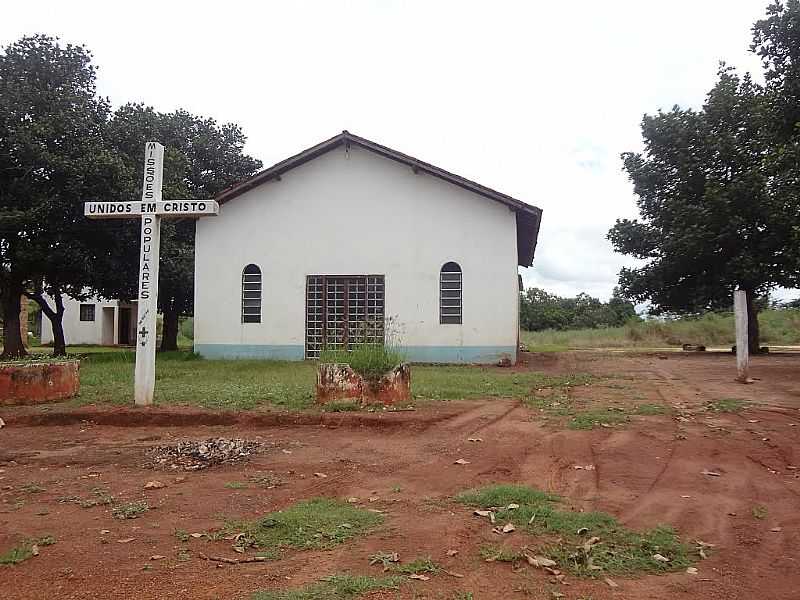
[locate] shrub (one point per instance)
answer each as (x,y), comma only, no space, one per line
(371,361)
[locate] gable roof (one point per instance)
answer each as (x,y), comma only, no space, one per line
(528,217)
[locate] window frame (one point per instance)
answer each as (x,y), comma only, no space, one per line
(451,294)
(89,316)
(252,291)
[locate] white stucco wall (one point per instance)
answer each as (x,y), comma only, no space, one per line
(104,330)
(359,213)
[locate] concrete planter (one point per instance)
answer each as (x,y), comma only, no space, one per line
(337,381)
(33,382)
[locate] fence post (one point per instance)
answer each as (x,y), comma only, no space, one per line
(742,342)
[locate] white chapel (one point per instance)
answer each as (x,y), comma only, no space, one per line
(350,241)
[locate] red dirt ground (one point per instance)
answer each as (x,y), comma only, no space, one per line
(646,473)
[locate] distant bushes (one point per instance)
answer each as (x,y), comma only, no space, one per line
(540,310)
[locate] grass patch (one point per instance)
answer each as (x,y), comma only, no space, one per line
(371,361)
(649,409)
(597,418)
(267,481)
(727,405)
(236,485)
(32,488)
(99,497)
(620,551)
(310,524)
(335,587)
(27,549)
(416,566)
(504,494)
(130,510)
(500,554)
(467,382)
(558,403)
(777,327)
(760,512)
(182,535)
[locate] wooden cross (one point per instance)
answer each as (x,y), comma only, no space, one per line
(151,209)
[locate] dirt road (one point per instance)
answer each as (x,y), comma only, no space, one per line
(645,472)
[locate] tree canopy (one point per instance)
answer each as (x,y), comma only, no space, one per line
(60,146)
(201,159)
(542,310)
(53,157)
(717,188)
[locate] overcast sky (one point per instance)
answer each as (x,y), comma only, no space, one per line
(534,99)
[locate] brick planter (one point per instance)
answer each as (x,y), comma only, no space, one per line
(33,382)
(337,381)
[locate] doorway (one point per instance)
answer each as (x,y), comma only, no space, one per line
(342,311)
(124,328)
(107,331)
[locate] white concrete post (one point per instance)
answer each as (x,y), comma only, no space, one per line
(742,342)
(147,306)
(151,209)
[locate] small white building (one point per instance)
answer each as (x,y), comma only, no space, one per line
(350,241)
(95,321)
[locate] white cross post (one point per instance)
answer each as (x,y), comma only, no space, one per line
(151,209)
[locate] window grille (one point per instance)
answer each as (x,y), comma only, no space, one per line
(87,312)
(450,294)
(251,294)
(343,311)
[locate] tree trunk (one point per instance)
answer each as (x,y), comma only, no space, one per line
(753,338)
(169,330)
(56,317)
(23,321)
(12,338)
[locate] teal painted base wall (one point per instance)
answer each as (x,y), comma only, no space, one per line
(418,354)
(245,351)
(459,354)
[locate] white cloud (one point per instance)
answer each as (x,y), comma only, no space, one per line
(534,99)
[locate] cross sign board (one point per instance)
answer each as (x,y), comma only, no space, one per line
(151,210)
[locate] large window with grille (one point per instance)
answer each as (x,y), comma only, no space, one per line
(343,311)
(251,294)
(450,294)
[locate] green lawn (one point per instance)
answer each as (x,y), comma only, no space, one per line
(182,378)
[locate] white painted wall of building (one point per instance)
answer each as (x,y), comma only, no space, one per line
(104,330)
(358,213)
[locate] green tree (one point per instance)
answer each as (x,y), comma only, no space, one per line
(53,157)
(776,39)
(709,221)
(201,159)
(541,310)
(621,310)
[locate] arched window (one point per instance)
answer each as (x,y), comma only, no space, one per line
(251,294)
(450,294)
